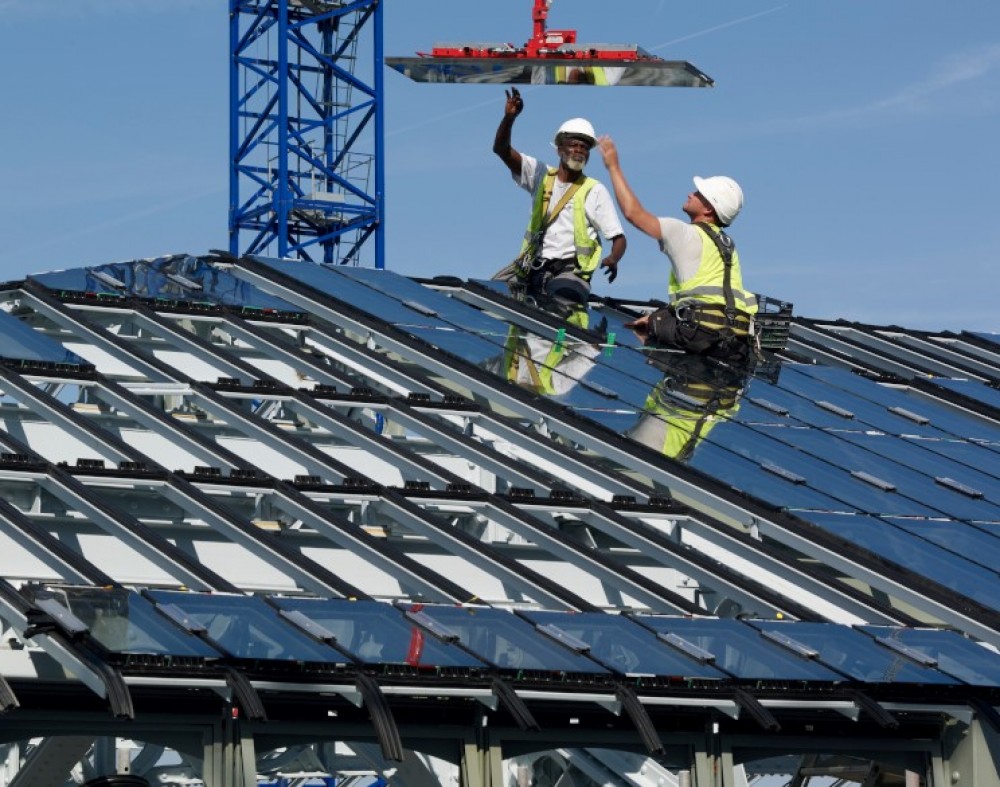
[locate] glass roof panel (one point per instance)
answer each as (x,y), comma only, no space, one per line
(508,642)
(177,277)
(786,484)
(21,342)
(377,633)
(802,394)
(852,653)
(831,479)
(989,337)
(913,454)
(739,649)
(954,654)
(124,622)
(949,419)
(112,279)
(978,543)
(426,307)
(214,284)
(974,389)
(913,553)
(882,461)
(621,645)
(246,627)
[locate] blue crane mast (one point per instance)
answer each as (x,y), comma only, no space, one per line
(307,130)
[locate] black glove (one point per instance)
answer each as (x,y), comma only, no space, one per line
(610,269)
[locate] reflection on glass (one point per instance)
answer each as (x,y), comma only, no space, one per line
(123,622)
(376,633)
(621,645)
(176,277)
(20,342)
(695,394)
(548,366)
(246,627)
(738,649)
(853,654)
(506,641)
(967,660)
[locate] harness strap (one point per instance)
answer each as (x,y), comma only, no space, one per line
(726,248)
(548,186)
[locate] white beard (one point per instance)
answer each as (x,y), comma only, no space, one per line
(574,164)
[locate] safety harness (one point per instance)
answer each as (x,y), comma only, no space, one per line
(726,319)
(530,257)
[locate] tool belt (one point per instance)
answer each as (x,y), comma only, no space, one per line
(715,317)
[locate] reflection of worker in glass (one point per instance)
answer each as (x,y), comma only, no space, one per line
(548,366)
(695,394)
(576,75)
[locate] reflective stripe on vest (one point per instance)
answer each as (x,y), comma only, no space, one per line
(587,249)
(706,285)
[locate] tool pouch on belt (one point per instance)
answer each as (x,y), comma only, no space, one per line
(716,317)
(679,329)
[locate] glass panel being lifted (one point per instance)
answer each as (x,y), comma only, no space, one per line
(549,57)
(506,71)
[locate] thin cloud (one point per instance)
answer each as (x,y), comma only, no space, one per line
(918,97)
(953,72)
(115,223)
(723,26)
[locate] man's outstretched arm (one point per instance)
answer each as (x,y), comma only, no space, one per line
(501,144)
(633,211)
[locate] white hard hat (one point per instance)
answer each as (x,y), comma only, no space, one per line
(723,194)
(578,127)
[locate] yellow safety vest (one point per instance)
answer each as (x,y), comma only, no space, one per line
(588,249)
(706,285)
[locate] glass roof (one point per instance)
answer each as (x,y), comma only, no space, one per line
(545,387)
(20,342)
(123,622)
(622,646)
(508,642)
(850,653)
(243,626)
(737,649)
(376,633)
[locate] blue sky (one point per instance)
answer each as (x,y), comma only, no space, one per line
(863,134)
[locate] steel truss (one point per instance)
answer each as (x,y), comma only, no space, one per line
(306,129)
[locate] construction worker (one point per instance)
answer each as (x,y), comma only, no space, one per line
(570,212)
(709,312)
